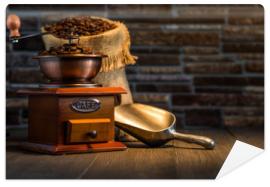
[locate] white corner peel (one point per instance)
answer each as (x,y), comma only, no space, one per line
(240,153)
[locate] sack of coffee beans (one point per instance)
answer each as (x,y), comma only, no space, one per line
(100,34)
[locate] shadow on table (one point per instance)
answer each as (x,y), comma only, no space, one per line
(168,145)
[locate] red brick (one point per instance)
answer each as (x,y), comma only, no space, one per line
(154,50)
(216,89)
(238,33)
(55,7)
(13,116)
(151,97)
(255,66)
(131,69)
(254,89)
(206,68)
(26,75)
(138,10)
(248,14)
(243,111)
(10,92)
(137,27)
(158,59)
(250,56)
(180,122)
(256,81)
(16,103)
(21,59)
(160,78)
(243,47)
(11,89)
(167,88)
(208,58)
(193,50)
(246,20)
(218,100)
(173,20)
(159,69)
(243,121)
(174,38)
(203,117)
(246,10)
(235,81)
(201,11)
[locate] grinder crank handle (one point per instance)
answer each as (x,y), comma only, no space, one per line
(204,141)
(13,24)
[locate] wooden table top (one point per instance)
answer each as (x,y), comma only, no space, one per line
(183,161)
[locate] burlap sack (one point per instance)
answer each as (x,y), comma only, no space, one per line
(115,43)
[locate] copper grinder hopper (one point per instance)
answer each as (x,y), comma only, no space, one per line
(154,126)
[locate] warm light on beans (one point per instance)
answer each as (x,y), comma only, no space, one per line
(79,26)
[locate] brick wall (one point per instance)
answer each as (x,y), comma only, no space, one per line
(205,63)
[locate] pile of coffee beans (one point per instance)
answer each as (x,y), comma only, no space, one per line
(67,49)
(79,26)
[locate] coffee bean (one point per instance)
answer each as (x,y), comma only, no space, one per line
(79,26)
(67,49)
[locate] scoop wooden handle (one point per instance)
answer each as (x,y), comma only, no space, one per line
(13,24)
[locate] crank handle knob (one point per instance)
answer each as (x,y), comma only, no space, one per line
(13,24)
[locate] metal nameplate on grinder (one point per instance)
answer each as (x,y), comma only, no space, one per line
(85,105)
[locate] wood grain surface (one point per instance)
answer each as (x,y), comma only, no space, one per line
(181,161)
(254,137)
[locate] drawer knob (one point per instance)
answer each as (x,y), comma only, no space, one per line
(92,134)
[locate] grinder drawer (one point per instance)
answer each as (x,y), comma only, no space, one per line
(87,130)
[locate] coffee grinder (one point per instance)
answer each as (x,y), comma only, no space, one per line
(69,113)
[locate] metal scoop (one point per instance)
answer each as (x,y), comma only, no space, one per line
(154,126)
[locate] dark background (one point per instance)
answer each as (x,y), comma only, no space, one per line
(205,63)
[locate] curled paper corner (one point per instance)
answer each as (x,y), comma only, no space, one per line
(240,154)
